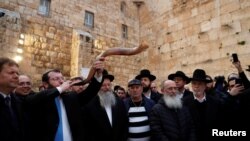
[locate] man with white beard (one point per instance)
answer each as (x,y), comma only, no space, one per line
(170,98)
(107,99)
(181,80)
(169,119)
(105,116)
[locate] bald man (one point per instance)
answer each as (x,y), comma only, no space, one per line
(169,119)
(24,87)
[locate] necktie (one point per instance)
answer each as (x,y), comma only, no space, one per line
(8,102)
(59,133)
(11,112)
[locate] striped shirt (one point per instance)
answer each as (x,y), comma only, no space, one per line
(139,129)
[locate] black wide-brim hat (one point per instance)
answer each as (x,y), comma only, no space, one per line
(179,74)
(107,75)
(145,73)
(248,68)
(209,79)
(199,75)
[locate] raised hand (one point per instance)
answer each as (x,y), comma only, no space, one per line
(65,85)
(237,89)
(238,66)
(99,66)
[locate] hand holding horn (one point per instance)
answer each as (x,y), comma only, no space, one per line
(116,51)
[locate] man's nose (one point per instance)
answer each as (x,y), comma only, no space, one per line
(16,75)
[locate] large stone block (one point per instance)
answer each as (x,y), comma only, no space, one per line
(213,35)
(206,26)
(230,7)
(194,12)
(172,21)
(182,35)
(241,14)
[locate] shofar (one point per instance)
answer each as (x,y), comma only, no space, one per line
(115,51)
(124,51)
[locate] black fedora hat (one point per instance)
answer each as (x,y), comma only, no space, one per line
(104,75)
(209,79)
(145,73)
(179,74)
(107,75)
(199,75)
(248,68)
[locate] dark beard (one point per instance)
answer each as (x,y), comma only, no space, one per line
(50,86)
(145,89)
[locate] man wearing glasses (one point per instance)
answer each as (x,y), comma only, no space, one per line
(56,112)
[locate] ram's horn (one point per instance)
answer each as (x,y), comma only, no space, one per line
(116,51)
(124,51)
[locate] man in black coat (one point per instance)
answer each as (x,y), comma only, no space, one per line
(205,109)
(12,121)
(169,120)
(57,113)
(146,79)
(236,104)
(105,115)
(181,80)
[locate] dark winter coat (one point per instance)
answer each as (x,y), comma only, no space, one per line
(171,124)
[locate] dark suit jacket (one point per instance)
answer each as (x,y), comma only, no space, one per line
(187,93)
(45,116)
(235,112)
(155,96)
(245,80)
(206,116)
(8,131)
(97,123)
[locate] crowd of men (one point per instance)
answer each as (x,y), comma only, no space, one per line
(66,110)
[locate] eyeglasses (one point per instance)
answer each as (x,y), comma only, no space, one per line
(57,78)
(172,88)
(24,83)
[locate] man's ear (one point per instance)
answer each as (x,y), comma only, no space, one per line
(46,85)
(162,90)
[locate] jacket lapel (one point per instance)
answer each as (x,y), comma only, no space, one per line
(101,113)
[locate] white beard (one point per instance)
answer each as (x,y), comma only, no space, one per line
(107,99)
(172,101)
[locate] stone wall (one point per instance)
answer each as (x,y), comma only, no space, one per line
(189,34)
(182,34)
(10,27)
(51,41)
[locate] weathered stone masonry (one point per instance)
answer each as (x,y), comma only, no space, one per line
(182,34)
